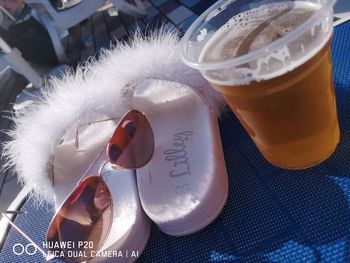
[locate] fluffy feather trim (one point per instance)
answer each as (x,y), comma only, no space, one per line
(96,88)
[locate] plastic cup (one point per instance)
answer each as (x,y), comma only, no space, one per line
(271,62)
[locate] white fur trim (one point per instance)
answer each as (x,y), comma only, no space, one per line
(95,89)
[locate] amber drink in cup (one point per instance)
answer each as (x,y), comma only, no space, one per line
(271,62)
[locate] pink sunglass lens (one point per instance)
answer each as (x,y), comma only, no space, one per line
(115,151)
(83,221)
(132,143)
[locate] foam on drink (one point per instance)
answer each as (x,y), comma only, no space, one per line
(257,28)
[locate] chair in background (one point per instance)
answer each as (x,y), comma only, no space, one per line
(11,57)
(341,12)
(59,21)
(6,19)
(133,8)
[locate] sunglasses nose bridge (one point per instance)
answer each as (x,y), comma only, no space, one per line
(102,167)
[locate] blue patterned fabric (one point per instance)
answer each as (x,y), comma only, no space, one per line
(272,215)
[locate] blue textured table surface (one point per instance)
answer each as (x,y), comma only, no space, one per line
(272,215)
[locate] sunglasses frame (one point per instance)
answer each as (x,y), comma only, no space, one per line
(49,256)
